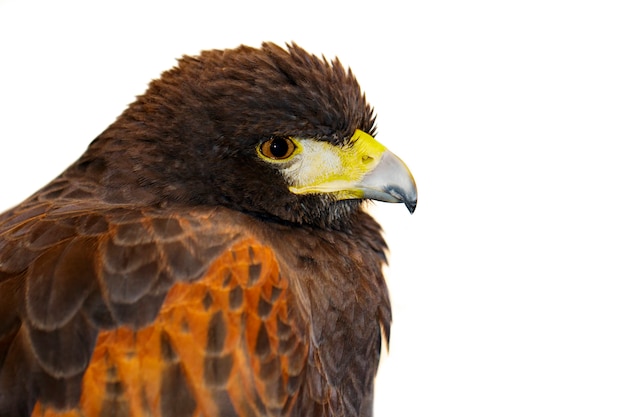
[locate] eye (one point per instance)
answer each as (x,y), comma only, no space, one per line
(277,148)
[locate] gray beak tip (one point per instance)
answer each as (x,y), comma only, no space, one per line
(391,181)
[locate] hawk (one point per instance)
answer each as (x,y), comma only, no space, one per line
(209,254)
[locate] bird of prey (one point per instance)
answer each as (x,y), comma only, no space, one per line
(209,254)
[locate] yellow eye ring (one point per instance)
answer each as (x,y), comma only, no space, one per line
(277,148)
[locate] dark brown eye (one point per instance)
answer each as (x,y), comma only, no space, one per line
(278,148)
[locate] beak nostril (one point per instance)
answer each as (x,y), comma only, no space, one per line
(366,159)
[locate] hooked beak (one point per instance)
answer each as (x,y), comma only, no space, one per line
(390,181)
(364,169)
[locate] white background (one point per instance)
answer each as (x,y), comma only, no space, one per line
(508,282)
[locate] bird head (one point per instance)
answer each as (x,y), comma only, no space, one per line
(273,132)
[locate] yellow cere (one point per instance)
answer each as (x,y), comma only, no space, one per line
(320,167)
